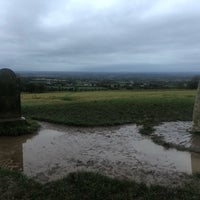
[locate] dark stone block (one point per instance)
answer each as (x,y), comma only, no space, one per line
(10,105)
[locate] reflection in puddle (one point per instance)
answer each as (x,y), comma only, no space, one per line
(115,151)
(11,151)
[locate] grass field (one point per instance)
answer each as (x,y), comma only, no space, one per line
(101,108)
(109,107)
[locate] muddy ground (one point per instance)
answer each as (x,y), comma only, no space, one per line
(119,151)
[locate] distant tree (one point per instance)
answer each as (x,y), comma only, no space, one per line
(34,87)
(193,84)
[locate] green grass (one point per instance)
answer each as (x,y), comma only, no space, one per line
(89,186)
(17,128)
(102,108)
(109,107)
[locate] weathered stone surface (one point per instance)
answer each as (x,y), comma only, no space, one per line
(10,108)
(196,112)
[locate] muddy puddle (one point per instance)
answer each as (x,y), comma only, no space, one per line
(114,151)
(178,133)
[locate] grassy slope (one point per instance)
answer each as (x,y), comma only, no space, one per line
(109,107)
(88,186)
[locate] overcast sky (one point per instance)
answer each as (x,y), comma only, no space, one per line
(100,35)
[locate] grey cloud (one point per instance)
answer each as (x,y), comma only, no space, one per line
(35,36)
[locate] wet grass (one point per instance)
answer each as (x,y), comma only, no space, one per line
(90,186)
(17,128)
(109,107)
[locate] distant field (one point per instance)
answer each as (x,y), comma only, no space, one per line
(109,107)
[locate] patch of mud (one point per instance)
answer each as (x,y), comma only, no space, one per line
(119,152)
(178,133)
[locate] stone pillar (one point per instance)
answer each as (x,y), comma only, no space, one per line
(196,112)
(10,105)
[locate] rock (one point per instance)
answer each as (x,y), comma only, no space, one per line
(196,112)
(11,121)
(10,106)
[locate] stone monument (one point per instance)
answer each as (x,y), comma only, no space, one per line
(196,112)
(10,105)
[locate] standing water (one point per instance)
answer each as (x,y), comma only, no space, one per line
(118,151)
